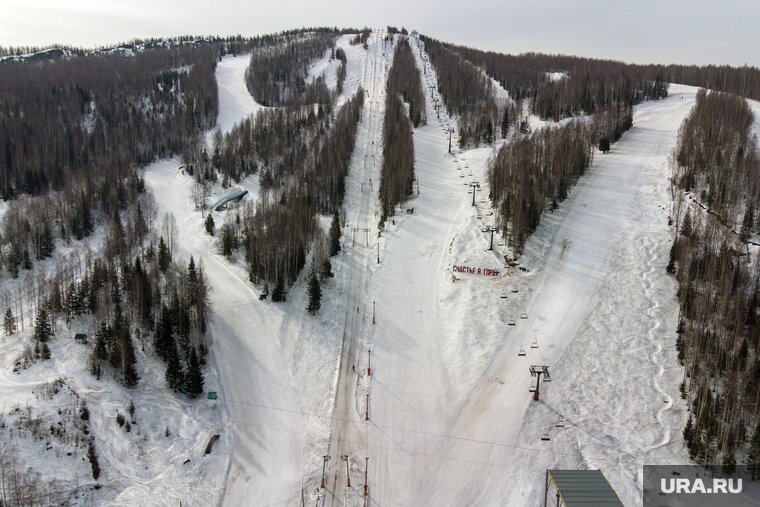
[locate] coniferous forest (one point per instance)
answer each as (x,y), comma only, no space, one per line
(715,192)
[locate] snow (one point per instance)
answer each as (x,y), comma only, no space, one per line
(450,417)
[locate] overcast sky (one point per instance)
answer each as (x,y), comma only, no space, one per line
(638,31)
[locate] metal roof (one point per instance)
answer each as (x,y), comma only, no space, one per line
(233,194)
(584,488)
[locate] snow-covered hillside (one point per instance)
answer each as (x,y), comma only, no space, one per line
(444,416)
(451,421)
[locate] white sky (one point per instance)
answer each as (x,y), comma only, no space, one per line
(642,31)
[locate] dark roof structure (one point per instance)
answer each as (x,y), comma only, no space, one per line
(582,488)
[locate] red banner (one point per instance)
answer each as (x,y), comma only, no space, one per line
(476,271)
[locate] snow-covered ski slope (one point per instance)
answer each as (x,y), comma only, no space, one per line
(451,421)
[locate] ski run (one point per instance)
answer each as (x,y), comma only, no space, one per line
(409,375)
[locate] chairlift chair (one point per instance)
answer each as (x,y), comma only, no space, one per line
(532,386)
(524,315)
(547,377)
(461,175)
(514,290)
(521,352)
(469,191)
(560,422)
(534,345)
(545,437)
(485,229)
(503,294)
(511,321)
(479,217)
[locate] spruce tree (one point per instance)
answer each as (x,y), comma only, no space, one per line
(175,374)
(9,323)
(604,144)
(44,351)
(210,224)
(686,226)
(42,331)
(164,259)
(505,122)
(315,294)
(164,337)
(192,282)
(129,362)
(194,374)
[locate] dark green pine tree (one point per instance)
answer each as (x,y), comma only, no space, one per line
(164,337)
(195,378)
(335,234)
(129,362)
(175,374)
(44,352)
(604,144)
(686,226)
(9,323)
(102,338)
(210,224)
(42,331)
(164,259)
(315,294)
(192,282)
(505,122)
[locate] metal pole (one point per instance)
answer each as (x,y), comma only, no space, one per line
(369,363)
(538,383)
(373,306)
(366,486)
(345,458)
(378,261)
(546,487)
(324,468)
(367,419)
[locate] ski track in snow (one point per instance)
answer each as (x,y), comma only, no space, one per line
(451,421)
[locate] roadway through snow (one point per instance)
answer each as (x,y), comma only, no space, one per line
(348,426)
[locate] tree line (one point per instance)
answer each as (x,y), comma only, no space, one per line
(714,189)
(717,158)
(303,158)
(537,172)
(467,92)
(277,74)
(397,172)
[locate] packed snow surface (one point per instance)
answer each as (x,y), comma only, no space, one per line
(451,421)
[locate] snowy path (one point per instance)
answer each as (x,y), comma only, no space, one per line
(495,441)
(347,429)
(257,388)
